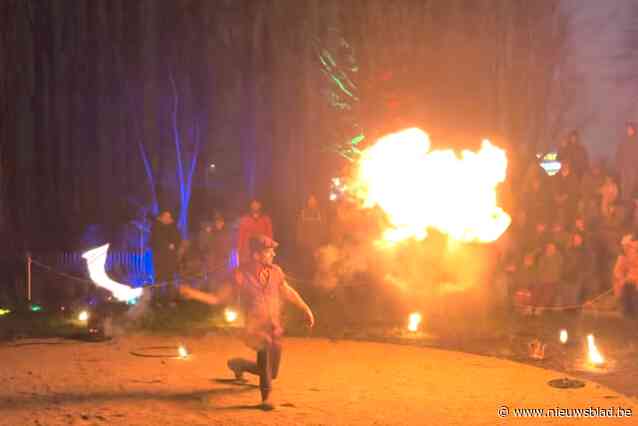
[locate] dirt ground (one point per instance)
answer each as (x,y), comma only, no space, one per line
(322,382)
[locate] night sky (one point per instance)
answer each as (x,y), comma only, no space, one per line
(600,36)
(89,86)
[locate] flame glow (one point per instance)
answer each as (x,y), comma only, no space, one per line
(182,352)
(563,336)
(4,312)
(414,321)
(594,355)
(83,316)
(420,189)
(96,262)
(230,315)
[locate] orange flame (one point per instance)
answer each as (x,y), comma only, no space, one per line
(594,356)
(182,352)
(414,321)
(420,189)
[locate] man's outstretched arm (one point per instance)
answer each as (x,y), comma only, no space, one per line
(293,297)
(212,299)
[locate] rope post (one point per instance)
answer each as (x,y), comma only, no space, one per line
(29,262)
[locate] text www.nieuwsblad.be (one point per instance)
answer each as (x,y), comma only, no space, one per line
(617,412)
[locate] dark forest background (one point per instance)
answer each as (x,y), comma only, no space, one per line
(113,108)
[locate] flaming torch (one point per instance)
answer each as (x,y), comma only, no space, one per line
(96,262)
(182,352)
(419,189)
(414,321)
(230,315)
(83,316)
(594,357)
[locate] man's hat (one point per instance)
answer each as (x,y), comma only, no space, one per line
(259,243)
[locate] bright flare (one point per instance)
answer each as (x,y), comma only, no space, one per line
(96,262)
(414,321)
(595,358)
(563,336)
(83,316)
(420,189)
(4,312)
(230,315)
(182,352)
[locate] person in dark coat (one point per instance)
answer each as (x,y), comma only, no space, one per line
(550,271)
(578,275)
(566,193)
(166,246)
(626,160)
(215,244)
(260,287)
(574,152)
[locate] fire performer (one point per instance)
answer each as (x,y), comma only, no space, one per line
(261,288)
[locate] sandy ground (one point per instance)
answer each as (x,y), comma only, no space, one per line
(322,382)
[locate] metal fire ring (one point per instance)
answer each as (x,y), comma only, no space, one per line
(157,352)
(566,383)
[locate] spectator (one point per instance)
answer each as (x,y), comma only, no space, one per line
(626,160)
(608,195)
(591,183)
(610,232)
(565,191)
(626,276)
(537,200)
(560,236)
(166,244)
(550,269)
(252,224)
(310,226)
(215,244)
(537,239)
(583,228)
(574,153)
(578,272)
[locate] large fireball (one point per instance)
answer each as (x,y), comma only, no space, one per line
(420,189)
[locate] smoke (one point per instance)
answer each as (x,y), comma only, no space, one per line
(141,308)
(450,283)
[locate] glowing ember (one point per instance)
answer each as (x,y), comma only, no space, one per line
(594,356)
(182,352)
(96,261)
(4,312)
(420,189)
(230,315)
(563,336)
(414,321)
(83,316)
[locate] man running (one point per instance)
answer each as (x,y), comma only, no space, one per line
(261,288)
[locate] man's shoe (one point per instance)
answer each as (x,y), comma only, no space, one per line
(267,405)
(235,366)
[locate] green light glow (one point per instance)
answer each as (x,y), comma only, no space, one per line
(35,308)
(338,63)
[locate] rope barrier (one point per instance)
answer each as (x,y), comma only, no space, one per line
(566,307)
(187,278)
(295,280)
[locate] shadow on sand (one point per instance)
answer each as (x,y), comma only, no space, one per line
(34,400)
